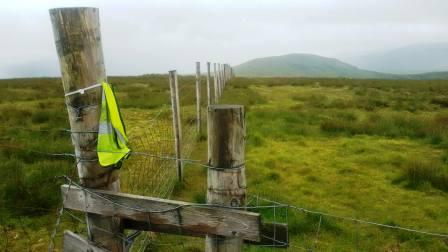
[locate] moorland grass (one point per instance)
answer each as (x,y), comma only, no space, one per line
(373,149)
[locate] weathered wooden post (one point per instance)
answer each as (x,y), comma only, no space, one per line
(225,72)
(198,97)
(223,81)
(223,78)
(218,76)
(227,181)
(209,89)
(177,130)
(78,43)
(215,82)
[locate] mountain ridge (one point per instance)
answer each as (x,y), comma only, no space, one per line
(311,65)
(410,59)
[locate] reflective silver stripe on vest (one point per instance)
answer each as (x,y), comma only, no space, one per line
(105,128)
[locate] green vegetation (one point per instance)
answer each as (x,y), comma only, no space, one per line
(373,149)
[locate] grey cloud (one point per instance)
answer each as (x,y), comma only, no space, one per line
(155,36)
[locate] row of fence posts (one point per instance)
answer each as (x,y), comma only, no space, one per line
(222,73)
(226,146)
(81,61)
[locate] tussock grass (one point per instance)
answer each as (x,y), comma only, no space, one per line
(419,174)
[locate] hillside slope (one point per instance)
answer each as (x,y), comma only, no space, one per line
(302,65)
(309,65)
(413,59)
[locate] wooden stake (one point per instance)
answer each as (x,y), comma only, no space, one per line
(222,78)
(209,88)
(174,88)
(226,182)
(223,82)
(218,76)
(215,82)
(219,80)
(225,72)
(198,97)
(78,42)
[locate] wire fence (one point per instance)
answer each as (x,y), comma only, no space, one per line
(146,175)
(315,227)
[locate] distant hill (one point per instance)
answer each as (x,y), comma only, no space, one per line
(426,76)
(309,65)
(414,59)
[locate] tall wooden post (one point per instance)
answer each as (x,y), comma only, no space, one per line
(215,82)
(227,181)
(223,81)
(217,78)
(225,72)
(198,97)
(78,43)
(209,88)
(223,76)
(177,130)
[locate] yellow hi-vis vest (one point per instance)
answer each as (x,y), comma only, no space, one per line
(112,140)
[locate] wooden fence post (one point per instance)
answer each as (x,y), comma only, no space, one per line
(226,182)
(198,97)
(209,88)
(225,72)
(215,83)
(223,81)
(218,76)
(219,80)
(78,42)
(174,89)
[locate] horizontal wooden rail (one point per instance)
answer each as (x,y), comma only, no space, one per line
(182,217)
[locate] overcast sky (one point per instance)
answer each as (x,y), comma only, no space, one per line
(156,36)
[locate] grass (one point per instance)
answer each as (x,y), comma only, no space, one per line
(347,147)
(373,149)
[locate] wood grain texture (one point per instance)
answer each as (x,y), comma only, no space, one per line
(227,184)
(186,220)
(78,42)
(77,243)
